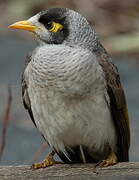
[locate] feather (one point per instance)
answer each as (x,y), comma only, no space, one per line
(118,104)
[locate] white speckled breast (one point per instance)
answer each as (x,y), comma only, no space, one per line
(69,101)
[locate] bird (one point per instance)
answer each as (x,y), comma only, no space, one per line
(73,92)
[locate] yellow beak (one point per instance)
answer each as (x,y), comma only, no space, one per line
(25,25)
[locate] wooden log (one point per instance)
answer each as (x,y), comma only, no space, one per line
(122,171)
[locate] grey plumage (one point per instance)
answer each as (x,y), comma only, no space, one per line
(73,91)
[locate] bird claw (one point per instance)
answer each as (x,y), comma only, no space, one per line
(49,161)
(111,160)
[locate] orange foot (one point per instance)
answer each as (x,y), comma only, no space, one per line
(111,160)
(49,161)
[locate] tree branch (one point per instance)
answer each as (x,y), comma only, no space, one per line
(5,122)
(72,172)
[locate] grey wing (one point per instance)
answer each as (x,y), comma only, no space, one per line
(25,96)
(118,105)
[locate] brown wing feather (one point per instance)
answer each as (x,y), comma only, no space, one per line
(117,103)
(25,97)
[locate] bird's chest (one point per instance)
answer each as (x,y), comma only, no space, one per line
(72,121)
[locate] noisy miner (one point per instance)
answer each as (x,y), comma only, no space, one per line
(72,91)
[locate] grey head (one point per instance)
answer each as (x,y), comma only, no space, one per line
(64,26)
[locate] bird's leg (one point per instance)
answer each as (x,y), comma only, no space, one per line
(111,160)
(48,161)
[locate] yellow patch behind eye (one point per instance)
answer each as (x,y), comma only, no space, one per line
(56,27)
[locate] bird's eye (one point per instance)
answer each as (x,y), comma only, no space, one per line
(54,26)
(49,25)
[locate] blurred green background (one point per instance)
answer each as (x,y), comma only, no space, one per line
(117,23)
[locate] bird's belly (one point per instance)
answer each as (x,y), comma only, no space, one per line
(68,122)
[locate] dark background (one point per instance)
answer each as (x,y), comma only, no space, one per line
(117,24)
